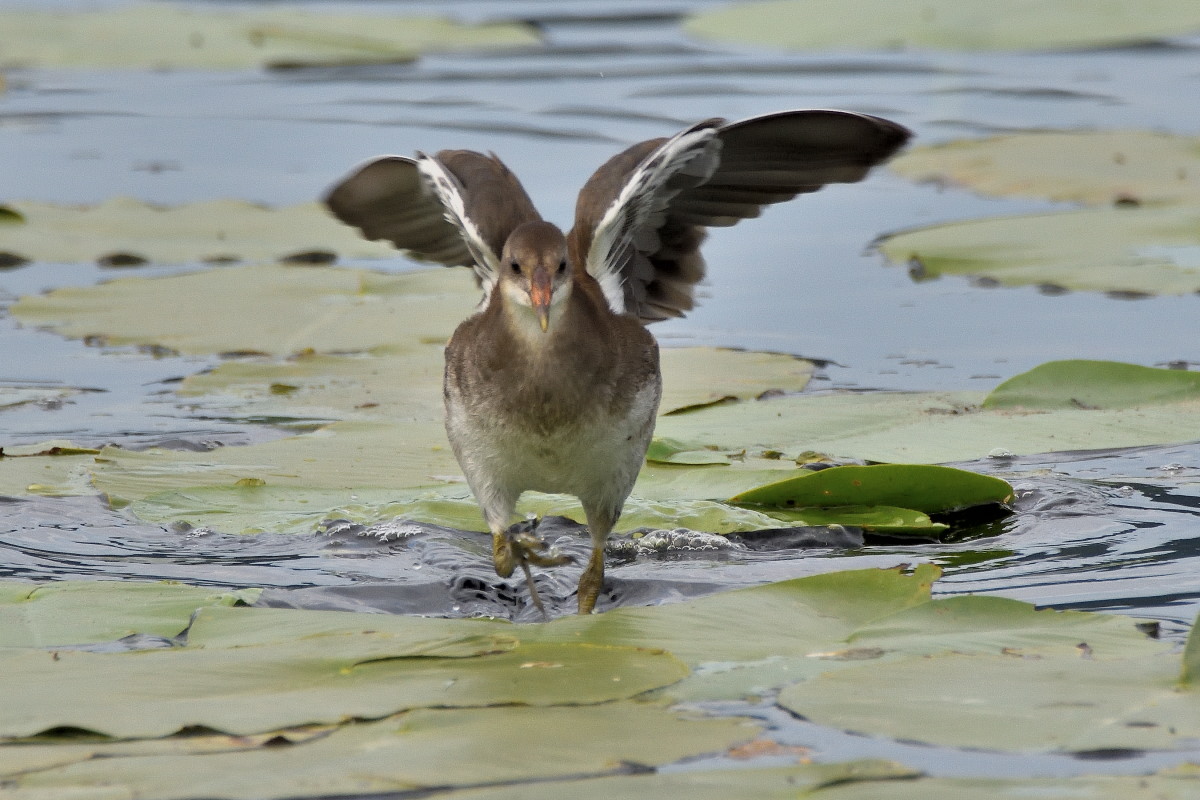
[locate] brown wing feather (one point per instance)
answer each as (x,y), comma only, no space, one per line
(386,199)
(763,160)
(390,199)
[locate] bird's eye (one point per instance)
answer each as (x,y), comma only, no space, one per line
(562,266)
(516,267)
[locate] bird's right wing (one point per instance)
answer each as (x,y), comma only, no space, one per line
(455,208)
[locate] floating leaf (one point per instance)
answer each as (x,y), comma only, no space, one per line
(164,36)
(763,783)
(362,668)
(878,518)
(673,451)
(83,612)
(946,24)
(1093,167)
(1170,784)
(55,468)
(1011,701)
(1094,385)
(1145,250)
(929,489)
(122,229)
(424,749)
(272,309)
(897,428)
(696,376)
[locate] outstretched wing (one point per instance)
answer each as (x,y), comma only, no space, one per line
(455,208)
(640,219)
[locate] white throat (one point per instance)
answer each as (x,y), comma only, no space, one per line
(523,320)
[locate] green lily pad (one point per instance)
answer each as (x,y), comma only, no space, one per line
(898,428)
(55,469)
(945,24)
(1143,250)
(220,230)
(877,518)
(261,680)
(1092,167)
(1166,785)
(164,36)
(269,309)
(423,749)
(929,489)
(84,612)
(673,451)
(772,783)
(1011,702)
(1094,385)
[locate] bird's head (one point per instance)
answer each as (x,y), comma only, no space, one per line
(535,271)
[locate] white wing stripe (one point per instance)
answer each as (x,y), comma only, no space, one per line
(442,184)
(634,217)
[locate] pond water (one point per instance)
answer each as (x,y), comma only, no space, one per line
(1111,531)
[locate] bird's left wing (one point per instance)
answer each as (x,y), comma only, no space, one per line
(641,218)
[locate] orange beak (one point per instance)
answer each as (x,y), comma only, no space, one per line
(541,287)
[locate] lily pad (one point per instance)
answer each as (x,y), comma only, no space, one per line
(1092,167)
(1012,702)
(260,680)
(772,783)
(55,469)
(1094,385)
(267,309)
(83,612)
(1165,785)
(165,36)
(929,489)
(1142,250)
(217,230)
(672,451)
(946,24)
(423,749)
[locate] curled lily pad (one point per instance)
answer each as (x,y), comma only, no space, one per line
(945,24)
(165,36)
(1093,167)
(1141,250)
(1094,385)
(925,488)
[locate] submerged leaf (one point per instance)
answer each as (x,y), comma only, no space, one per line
(1094,385)
(946,24)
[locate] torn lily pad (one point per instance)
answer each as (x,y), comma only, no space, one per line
(166,36)
(1091,167)
(946,24)
(1145,250)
